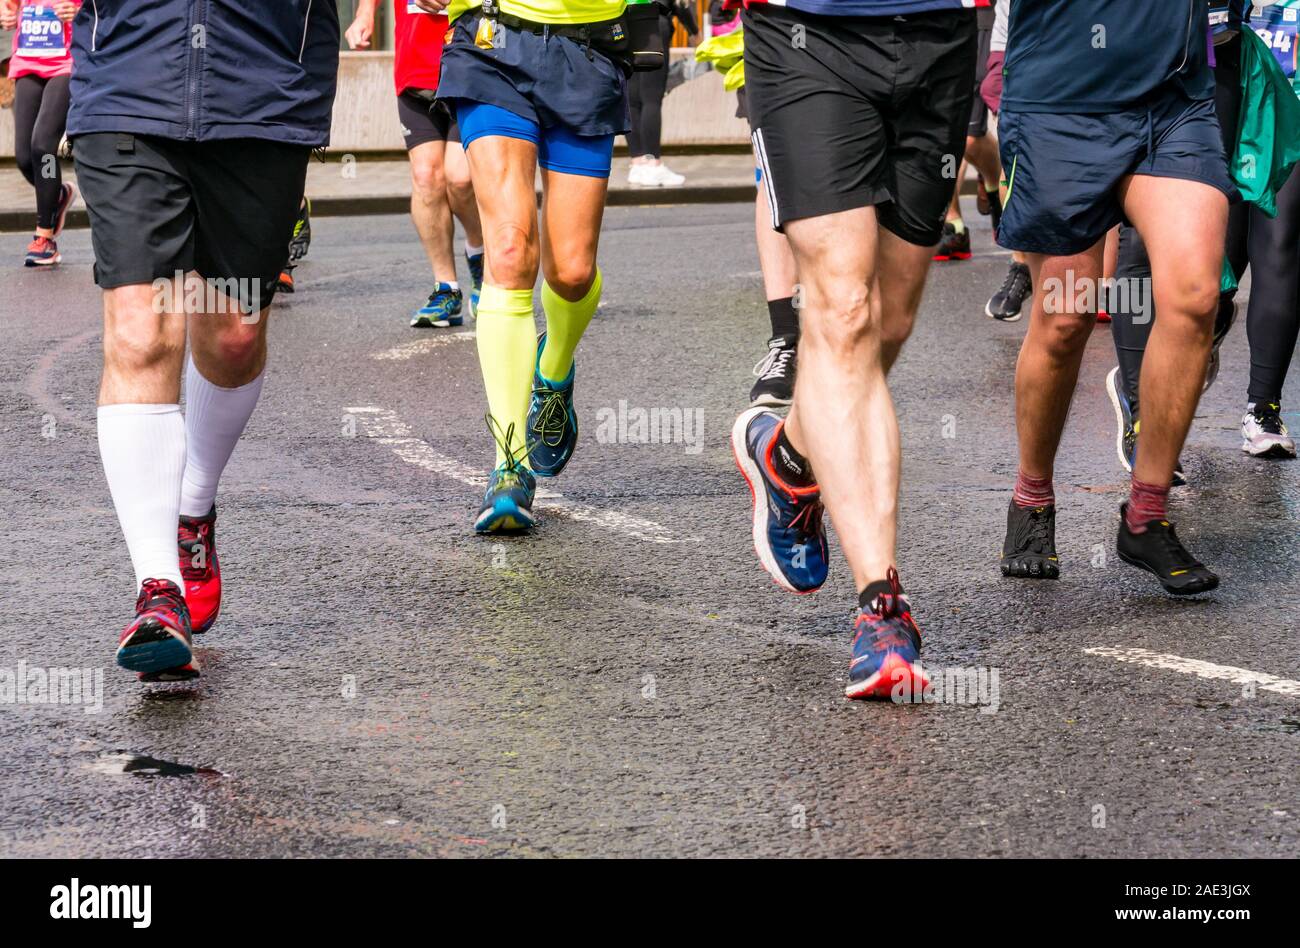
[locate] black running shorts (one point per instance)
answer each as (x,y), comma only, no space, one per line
(425,120)
(224,209)
(852,112)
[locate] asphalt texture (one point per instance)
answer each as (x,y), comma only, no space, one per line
(627,680)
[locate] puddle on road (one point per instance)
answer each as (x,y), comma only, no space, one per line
(119,764)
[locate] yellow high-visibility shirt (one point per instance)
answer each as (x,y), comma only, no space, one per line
(548,11)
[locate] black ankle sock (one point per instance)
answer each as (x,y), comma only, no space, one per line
(792,466)
(785,321)
(873,590)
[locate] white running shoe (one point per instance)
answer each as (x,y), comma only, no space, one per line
(665,177)
(1263,435)
(641,175)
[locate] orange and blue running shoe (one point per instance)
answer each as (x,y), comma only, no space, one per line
(886,647)
(789,535)
(196,541)
(158,644)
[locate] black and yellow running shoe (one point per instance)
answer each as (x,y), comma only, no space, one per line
(300,242)
(1029,551)
(1158,550)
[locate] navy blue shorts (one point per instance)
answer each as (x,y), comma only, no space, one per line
(1064,170)
(548,80)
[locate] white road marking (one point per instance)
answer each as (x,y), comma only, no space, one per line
(387,428)
(409,350)
(1193,666)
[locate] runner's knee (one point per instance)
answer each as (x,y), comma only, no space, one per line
(840,317)
(428,179)
(513,253)
(135,345)
(571,280)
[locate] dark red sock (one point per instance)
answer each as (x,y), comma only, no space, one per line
(1146,502)
(1033,491)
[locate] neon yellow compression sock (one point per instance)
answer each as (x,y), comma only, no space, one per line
(507,346)
(565,324)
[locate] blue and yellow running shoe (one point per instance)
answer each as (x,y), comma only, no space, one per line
(552,422)
(508,502)
(475,262)
(789,535)
(886,648)
(442,309)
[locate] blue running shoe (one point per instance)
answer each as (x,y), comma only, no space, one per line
(508,502)
(1126,423)
(442,309)
(886,649)
(788,533)
(552,422)
(475,262)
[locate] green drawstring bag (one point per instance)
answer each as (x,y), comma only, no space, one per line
(727,54)
(1268,133)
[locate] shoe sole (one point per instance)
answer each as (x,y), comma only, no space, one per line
(182,673)
(52,262)
(445,323)
(1112,381)
(949,258)
(1043,574)
(880,686)
(988,311)
(504,518)
(1275,450)
(63,214)
(1213,582)
(749,471)
(770,401)
(154,648)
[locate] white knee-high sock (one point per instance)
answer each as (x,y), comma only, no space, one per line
(143,449)
(214,419)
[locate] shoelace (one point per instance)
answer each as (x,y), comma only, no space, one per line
(552,418)
(156,592)
(808,521)
(514,464)
(1017,282)
(884,617)
(1269,418)
(775,365)
(1036,531)
(1178,554)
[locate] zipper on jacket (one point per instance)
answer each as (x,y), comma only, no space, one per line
(94,32)
(192,80)
(306,24)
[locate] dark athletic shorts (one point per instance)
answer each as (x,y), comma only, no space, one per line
(1064,170)
(867,111)
(424,120)
(548,80)
(224,209)
(979,109)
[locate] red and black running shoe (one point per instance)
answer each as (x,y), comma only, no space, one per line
(886,648)
(954,245)
(196,542)
(158,644)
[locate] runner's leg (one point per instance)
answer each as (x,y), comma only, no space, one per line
(431,210)
(1048,367)
(849,430)
(1182,223)
(506,332)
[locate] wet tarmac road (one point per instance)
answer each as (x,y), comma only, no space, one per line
(627,681)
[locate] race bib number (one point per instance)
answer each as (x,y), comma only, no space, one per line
(412,8)
(40,32)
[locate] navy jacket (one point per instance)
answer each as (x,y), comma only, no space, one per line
(205,69)
(1097,56)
